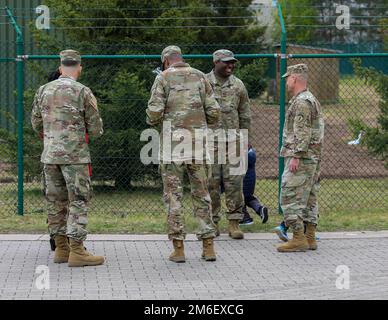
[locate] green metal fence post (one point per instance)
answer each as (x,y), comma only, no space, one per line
(20,106)
(282,97)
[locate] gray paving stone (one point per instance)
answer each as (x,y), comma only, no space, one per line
(245,269)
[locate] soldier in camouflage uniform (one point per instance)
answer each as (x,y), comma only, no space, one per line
(181,98)
(302,143)
(233,99)
(65,111)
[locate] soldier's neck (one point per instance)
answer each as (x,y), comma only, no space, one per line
(299,90)
(220,79)
(70,76)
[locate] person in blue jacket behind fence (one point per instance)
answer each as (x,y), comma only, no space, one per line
(249,185)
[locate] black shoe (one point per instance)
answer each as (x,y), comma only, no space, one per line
(52,244)
(246,221)
(263,214)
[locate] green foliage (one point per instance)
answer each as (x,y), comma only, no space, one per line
(384,29)
(122,86)
(249,75)
(297,12)
(119,148)
(375,138)
(32,148)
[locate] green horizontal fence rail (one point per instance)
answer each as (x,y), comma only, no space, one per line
(151,56)
(7,59)
(337,55)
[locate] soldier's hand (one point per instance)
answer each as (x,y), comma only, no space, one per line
(294,165)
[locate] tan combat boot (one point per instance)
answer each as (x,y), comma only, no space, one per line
(298,243)
(178,255)
(62,249)
(310,236)
(234,230)
(79,257)
(208,252)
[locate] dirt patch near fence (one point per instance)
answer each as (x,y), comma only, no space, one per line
(339,160)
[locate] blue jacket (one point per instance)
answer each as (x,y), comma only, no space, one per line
(250,177)
(249,181)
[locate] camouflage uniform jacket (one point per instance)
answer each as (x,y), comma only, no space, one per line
(65,110)
(183,97)
(303,127)
(233,99)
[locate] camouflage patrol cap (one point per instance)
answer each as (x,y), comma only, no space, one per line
(167,51)
(70,57)
(223,55)
(296,69)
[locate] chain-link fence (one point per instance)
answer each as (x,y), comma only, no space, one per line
(8,140)
(352,179)
(121,183)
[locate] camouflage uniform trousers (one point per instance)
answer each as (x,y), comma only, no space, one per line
(67,189)
(172,175)
(299,193)
(233,185)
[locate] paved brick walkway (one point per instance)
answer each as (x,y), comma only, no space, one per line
(137,268)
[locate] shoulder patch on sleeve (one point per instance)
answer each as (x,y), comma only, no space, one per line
(303,102)
(93,102)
